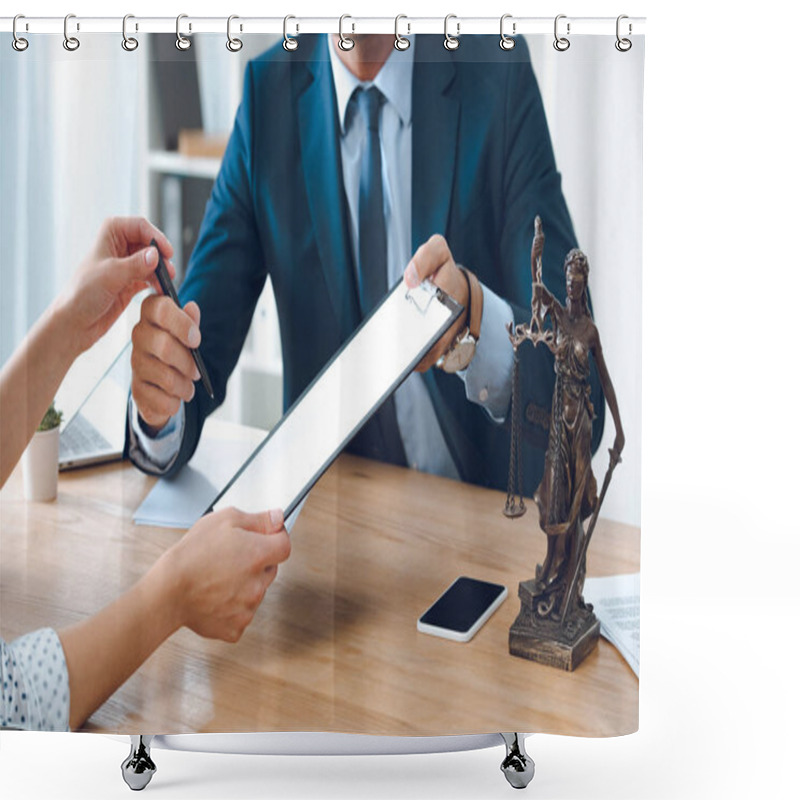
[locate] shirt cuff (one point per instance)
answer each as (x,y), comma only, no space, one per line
(35,683)
(159,452)
(488,377)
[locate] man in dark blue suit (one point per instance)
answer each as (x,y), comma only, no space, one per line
(344,172)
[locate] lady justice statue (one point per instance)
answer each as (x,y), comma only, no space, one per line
(555,626)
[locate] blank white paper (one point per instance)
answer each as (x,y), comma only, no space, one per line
(376,359)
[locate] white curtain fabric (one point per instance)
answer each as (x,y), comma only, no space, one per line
(68,133)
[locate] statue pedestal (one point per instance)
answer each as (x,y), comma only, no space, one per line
(538,637)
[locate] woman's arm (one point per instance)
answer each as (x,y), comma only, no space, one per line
(28,383)
(215,577)
(211,581)
(119,266)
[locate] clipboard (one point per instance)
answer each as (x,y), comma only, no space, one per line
(366,369)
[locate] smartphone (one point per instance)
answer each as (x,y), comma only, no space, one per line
(461,611)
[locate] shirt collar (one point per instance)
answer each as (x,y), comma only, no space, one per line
(394,81)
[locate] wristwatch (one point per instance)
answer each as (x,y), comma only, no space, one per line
(463,349)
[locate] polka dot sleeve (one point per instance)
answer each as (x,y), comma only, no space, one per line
(35,683)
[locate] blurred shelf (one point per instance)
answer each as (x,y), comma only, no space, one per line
(170,162)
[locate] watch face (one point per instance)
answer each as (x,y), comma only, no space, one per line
(459,356)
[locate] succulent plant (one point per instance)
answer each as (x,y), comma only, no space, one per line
(52,419)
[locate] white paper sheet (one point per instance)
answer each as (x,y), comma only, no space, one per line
(616,602)
(180,501)
(375,360)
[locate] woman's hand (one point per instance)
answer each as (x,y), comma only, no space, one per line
(212,581)
(217,575)
(120,265)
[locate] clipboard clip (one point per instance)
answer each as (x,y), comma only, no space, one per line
(423,295)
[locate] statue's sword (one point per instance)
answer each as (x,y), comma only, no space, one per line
(613,460)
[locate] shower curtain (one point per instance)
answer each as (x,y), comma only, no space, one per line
(288,174)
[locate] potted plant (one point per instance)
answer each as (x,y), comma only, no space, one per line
(40,461)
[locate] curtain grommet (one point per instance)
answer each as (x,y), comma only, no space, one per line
(289,42)
(451,42)
(129,43)
(181,42)
(401,42)
(345,42)
(506,42)
(233,44)
(623,44)
(71,43)
(560,43)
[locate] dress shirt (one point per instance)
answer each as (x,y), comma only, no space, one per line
(488,378)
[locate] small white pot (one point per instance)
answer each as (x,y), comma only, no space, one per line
(40,467)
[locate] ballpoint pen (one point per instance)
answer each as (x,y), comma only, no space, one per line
(169,290)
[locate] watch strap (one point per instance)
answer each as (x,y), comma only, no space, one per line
(474,303)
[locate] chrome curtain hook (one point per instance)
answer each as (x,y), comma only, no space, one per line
(71,43)
(345,42)
(506,42)
(289,42)
(451,42)
(623,45)
(400,42)
(181,41)
(18,43)
(561,43)
(128,42)
(233,44)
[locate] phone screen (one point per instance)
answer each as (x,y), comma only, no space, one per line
(461,611)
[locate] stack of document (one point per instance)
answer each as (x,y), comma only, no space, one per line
(616,604)
(180,501)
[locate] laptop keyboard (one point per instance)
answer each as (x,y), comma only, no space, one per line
(80,438)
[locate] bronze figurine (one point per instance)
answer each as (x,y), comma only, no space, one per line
(555,626)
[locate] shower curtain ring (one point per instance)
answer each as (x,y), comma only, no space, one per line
(233,44)
(128,42)
(18,43)
(71,43)
(623,45)
(451,42)
(506,42)
(345,42)
(289,42)
(400,42)
(181,42)
(561,43)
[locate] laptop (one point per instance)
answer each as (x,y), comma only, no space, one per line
(95,434)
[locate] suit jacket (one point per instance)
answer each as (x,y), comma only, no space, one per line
(483,168)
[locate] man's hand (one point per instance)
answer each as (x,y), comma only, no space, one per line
(120,265)
(163,368)
(434,260)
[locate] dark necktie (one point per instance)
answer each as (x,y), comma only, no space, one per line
(372,281)
(380,437)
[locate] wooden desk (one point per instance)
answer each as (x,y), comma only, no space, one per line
(334,646)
